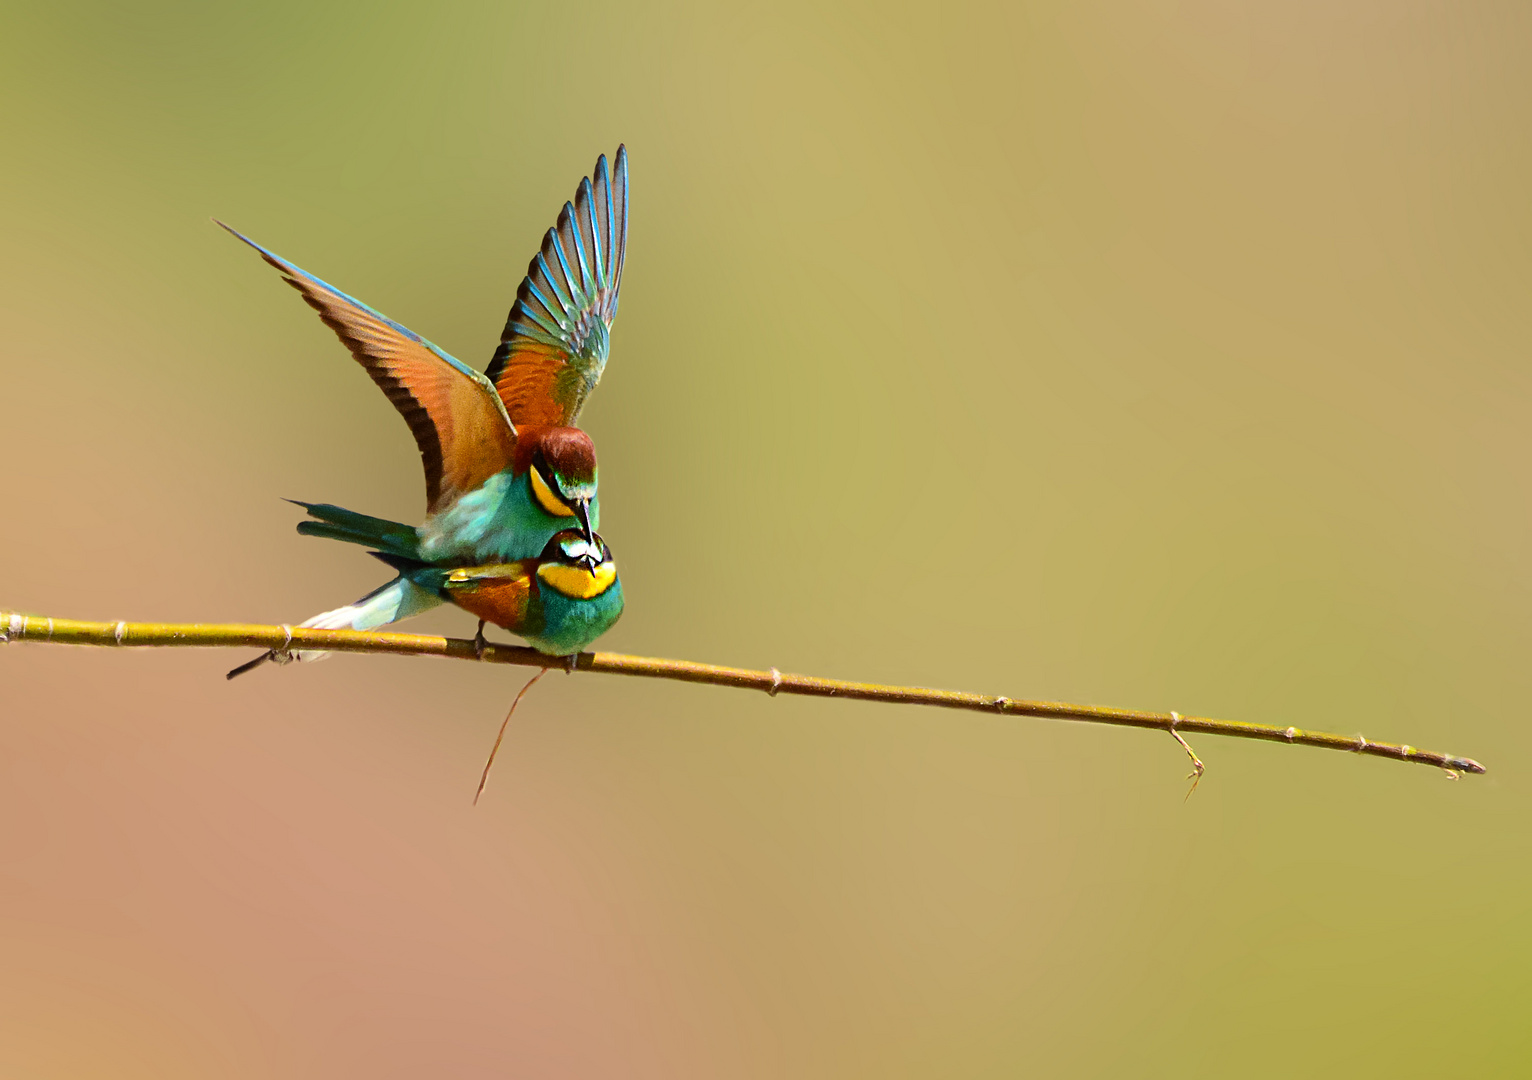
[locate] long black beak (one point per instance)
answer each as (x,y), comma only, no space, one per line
(582,511)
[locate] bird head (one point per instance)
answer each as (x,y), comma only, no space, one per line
(560,464)
(576,566)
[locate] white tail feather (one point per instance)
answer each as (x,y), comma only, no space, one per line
(399,599)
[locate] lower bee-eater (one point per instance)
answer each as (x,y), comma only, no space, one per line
(560,601)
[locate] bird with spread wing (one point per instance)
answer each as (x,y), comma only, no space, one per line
(506,469)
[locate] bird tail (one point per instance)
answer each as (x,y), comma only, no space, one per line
(399,599)
(423,575)
(338,523)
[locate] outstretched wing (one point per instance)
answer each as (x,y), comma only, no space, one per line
(463,432)
(554,347)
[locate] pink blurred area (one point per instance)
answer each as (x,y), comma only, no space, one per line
(205,879)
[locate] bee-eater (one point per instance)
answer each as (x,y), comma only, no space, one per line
(505,467)
(559,602)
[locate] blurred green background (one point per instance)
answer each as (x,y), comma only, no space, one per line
(1164,355)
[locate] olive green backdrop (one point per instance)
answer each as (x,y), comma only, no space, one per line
(1160,355)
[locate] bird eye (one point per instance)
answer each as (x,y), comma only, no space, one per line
(545,496)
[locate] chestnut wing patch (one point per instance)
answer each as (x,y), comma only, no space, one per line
(500,593)
(456,416)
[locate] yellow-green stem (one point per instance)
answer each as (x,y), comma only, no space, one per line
(17,627)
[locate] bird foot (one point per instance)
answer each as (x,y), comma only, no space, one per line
(480,642)
(571,662)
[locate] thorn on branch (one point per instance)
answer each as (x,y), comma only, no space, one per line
(1195,776)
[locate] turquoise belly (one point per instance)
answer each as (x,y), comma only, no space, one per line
(568,626)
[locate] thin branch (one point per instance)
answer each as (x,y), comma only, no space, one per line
(17,627)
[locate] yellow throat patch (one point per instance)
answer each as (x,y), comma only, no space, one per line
(576,582)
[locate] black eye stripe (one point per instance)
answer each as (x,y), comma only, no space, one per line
(568,546)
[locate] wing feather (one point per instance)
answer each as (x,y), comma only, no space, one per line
(458,421)
(556,339)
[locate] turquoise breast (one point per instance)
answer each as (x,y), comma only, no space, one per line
(500,521)
(569,625)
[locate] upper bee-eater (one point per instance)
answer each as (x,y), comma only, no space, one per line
(505,467)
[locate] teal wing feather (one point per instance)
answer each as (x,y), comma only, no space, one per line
(555,343)
(338,523)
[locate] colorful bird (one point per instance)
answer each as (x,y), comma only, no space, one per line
(559,602)
(505,467)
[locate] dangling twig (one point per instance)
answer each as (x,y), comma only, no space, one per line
(493,750)
(16,627)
